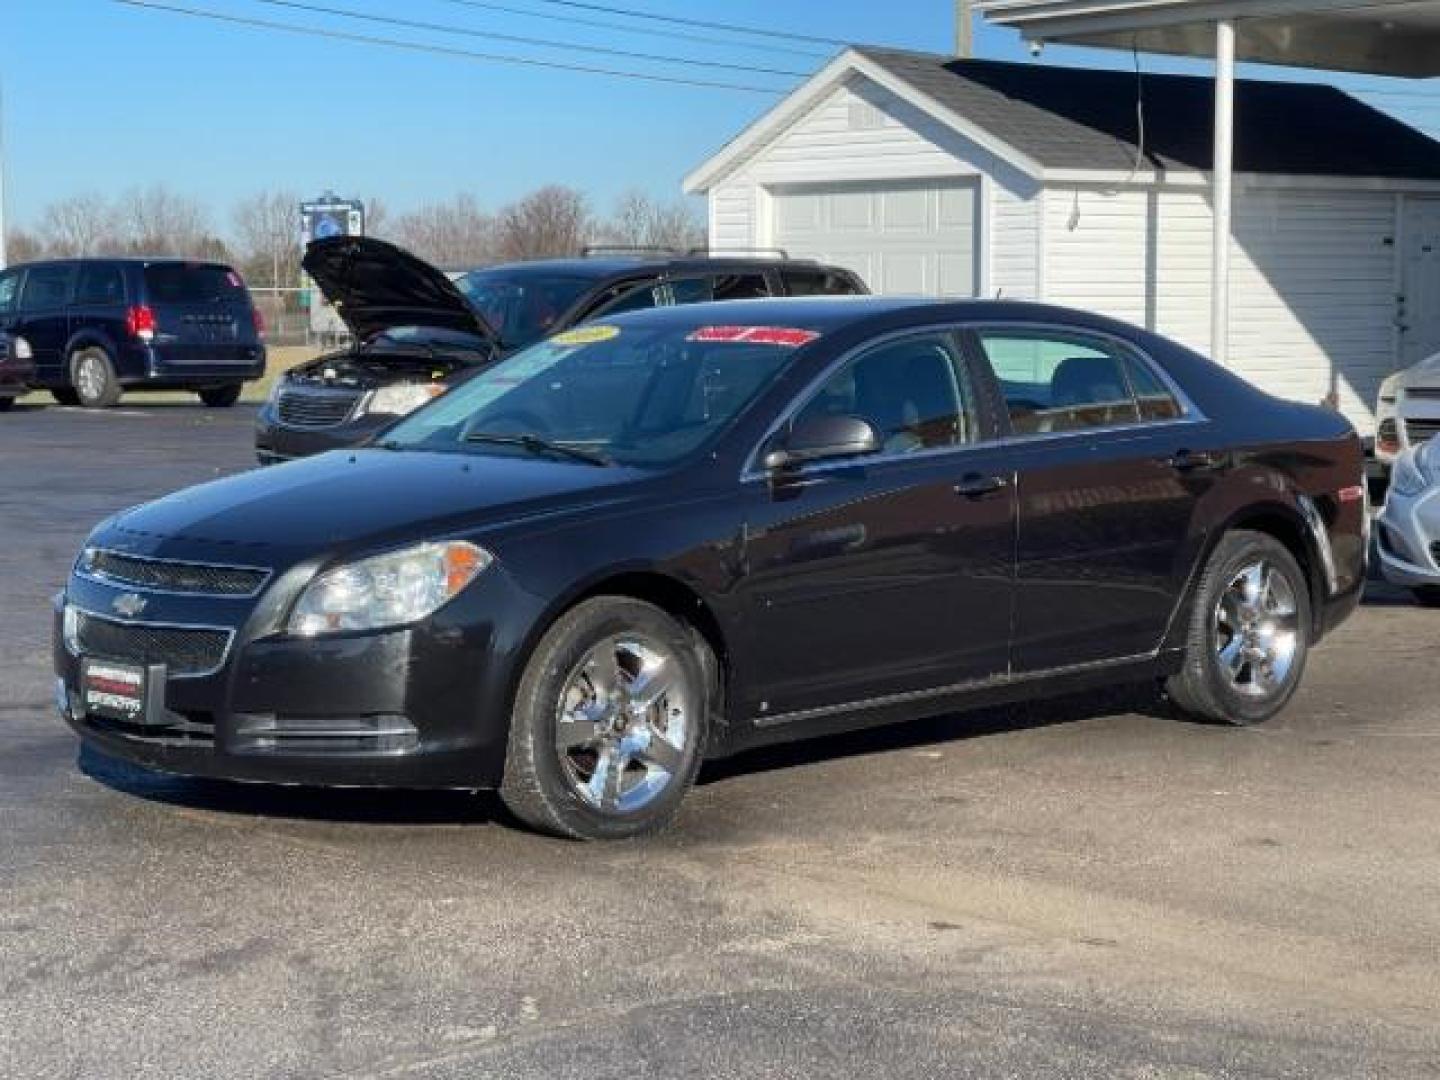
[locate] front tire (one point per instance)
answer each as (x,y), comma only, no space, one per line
(609,723)
(94,379)
(220,397)
(1249,633)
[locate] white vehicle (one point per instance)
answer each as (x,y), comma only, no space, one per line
(1409,526)
(1408,411)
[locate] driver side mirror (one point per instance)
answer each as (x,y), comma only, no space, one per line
(821,439)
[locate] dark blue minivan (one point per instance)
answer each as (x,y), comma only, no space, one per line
(93,328)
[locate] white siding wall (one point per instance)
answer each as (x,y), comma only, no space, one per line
(862,132)
(1312,280)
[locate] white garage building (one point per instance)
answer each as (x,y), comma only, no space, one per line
(947,177)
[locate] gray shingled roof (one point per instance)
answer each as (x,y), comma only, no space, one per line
(1081,118)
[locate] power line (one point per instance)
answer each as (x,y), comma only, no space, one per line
(442,50)
(733,28)
(603,24)
(442,28)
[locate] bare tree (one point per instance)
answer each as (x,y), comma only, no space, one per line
(553,221)
(158,221)
(377,217)
(641,221)
(22,246)
(80,225)
(267,228)
(452,234)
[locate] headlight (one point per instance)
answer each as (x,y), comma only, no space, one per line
(1414,471)
(402,398)
(387,590)
(70,628)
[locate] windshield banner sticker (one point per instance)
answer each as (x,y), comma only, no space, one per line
(755,335)
(587,335)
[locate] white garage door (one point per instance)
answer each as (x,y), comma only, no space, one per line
(901,238)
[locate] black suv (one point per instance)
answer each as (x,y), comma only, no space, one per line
(418,331)
(92,328)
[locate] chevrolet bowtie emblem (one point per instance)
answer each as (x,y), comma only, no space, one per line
(129,605)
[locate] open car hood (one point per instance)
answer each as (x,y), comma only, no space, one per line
(375,286)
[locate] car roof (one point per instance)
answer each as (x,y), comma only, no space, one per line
(831,313)
(144,260)
(602,266)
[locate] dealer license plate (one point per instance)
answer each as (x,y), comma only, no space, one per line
(111,689)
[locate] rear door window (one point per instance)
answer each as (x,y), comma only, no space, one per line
(1056,381)
(192,283)
(46,288)
(740,287)
(817,282)
(100,283)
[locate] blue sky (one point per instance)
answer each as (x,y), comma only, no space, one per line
(104,97)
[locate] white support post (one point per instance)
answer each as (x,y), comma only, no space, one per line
(1223,193)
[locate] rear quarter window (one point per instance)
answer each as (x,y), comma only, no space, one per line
(818,283)
(192,283)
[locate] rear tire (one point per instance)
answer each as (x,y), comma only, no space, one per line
(220,397)
(94,379)
(609,723)
(66,397)
(1248,635)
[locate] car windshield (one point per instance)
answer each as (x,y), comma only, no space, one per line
(644,396)
(522,308)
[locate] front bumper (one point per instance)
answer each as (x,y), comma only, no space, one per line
(1408,538)
(424,706)
(276,442)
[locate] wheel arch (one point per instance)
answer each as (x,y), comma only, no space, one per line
(672,595)
(1285,522)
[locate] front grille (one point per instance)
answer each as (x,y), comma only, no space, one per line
(1435,552)
(201,578)
(305,408)
(1418,431)
(1426,392)
(183,650)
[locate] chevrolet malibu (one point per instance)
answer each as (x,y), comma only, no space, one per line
(683,532)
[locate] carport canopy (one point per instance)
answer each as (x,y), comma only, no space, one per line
(1374,37)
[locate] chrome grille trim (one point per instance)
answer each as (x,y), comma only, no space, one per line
(316,408)
(170,576)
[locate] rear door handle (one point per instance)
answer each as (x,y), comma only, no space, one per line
(977,485)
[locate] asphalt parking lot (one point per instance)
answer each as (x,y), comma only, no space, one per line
(1082,889)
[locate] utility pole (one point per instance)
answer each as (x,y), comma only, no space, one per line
(964,30)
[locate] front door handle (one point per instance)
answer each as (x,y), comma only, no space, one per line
(978,485)
(1187,461)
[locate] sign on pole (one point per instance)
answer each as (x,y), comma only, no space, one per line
(321,219)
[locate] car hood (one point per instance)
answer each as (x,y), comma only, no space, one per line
(375,286)
(357,499)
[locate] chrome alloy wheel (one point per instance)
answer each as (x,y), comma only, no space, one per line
(624,722)
(1257,631)
(90,376)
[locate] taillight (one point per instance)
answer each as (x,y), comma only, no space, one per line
(259,321)
(140,322)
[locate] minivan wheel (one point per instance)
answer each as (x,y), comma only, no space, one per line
(94,379)
(220,397)
(1249,633)
(609,721)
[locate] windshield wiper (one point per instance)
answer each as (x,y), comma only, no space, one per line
(536,445)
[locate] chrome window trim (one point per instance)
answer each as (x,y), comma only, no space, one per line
(102,578)
(1190,413)
(228,631)
(984,683)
